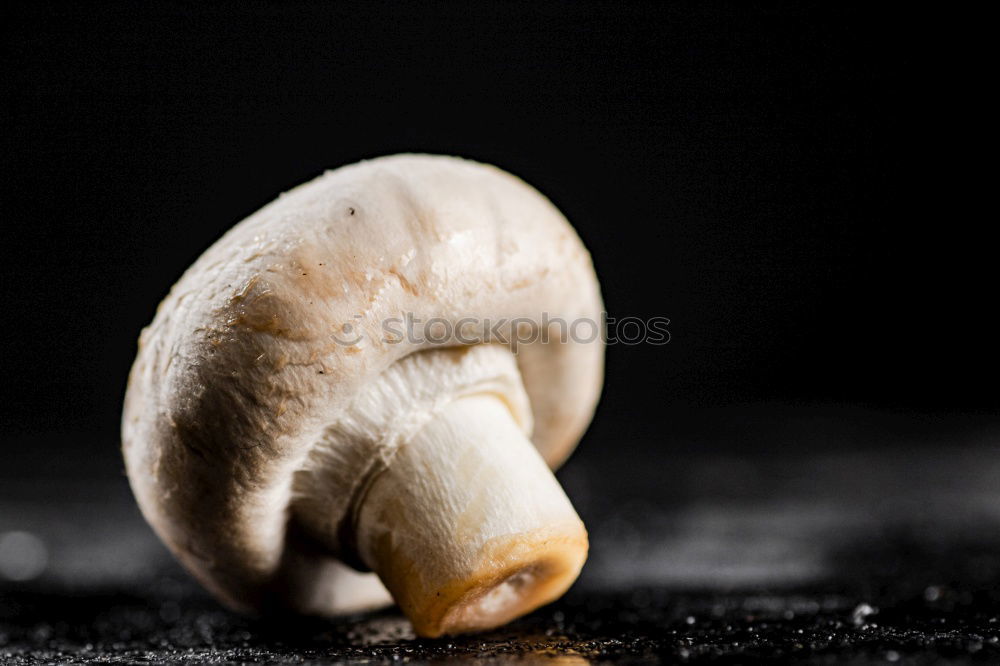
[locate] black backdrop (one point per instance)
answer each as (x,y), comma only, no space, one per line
(798,187)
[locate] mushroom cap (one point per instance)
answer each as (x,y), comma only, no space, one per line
(264,340)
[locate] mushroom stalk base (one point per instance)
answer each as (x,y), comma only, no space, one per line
(467,526)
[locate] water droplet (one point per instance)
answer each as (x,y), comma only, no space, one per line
(861,613)
(23,556)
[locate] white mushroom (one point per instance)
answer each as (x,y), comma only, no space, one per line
(280,419)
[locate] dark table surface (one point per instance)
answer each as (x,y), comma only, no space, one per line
(823,535)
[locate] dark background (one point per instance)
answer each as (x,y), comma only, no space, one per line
(795,185)
(808,469)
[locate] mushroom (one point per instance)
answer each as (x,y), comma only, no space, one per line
(376,371)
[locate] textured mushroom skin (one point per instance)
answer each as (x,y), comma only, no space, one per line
(241,369)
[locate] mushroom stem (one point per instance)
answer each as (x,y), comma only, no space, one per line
(467,526)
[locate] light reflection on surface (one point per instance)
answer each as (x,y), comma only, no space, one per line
(699,555)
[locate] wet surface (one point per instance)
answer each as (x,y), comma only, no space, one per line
(740,543)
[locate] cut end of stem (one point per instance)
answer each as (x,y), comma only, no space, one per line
(538,570)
